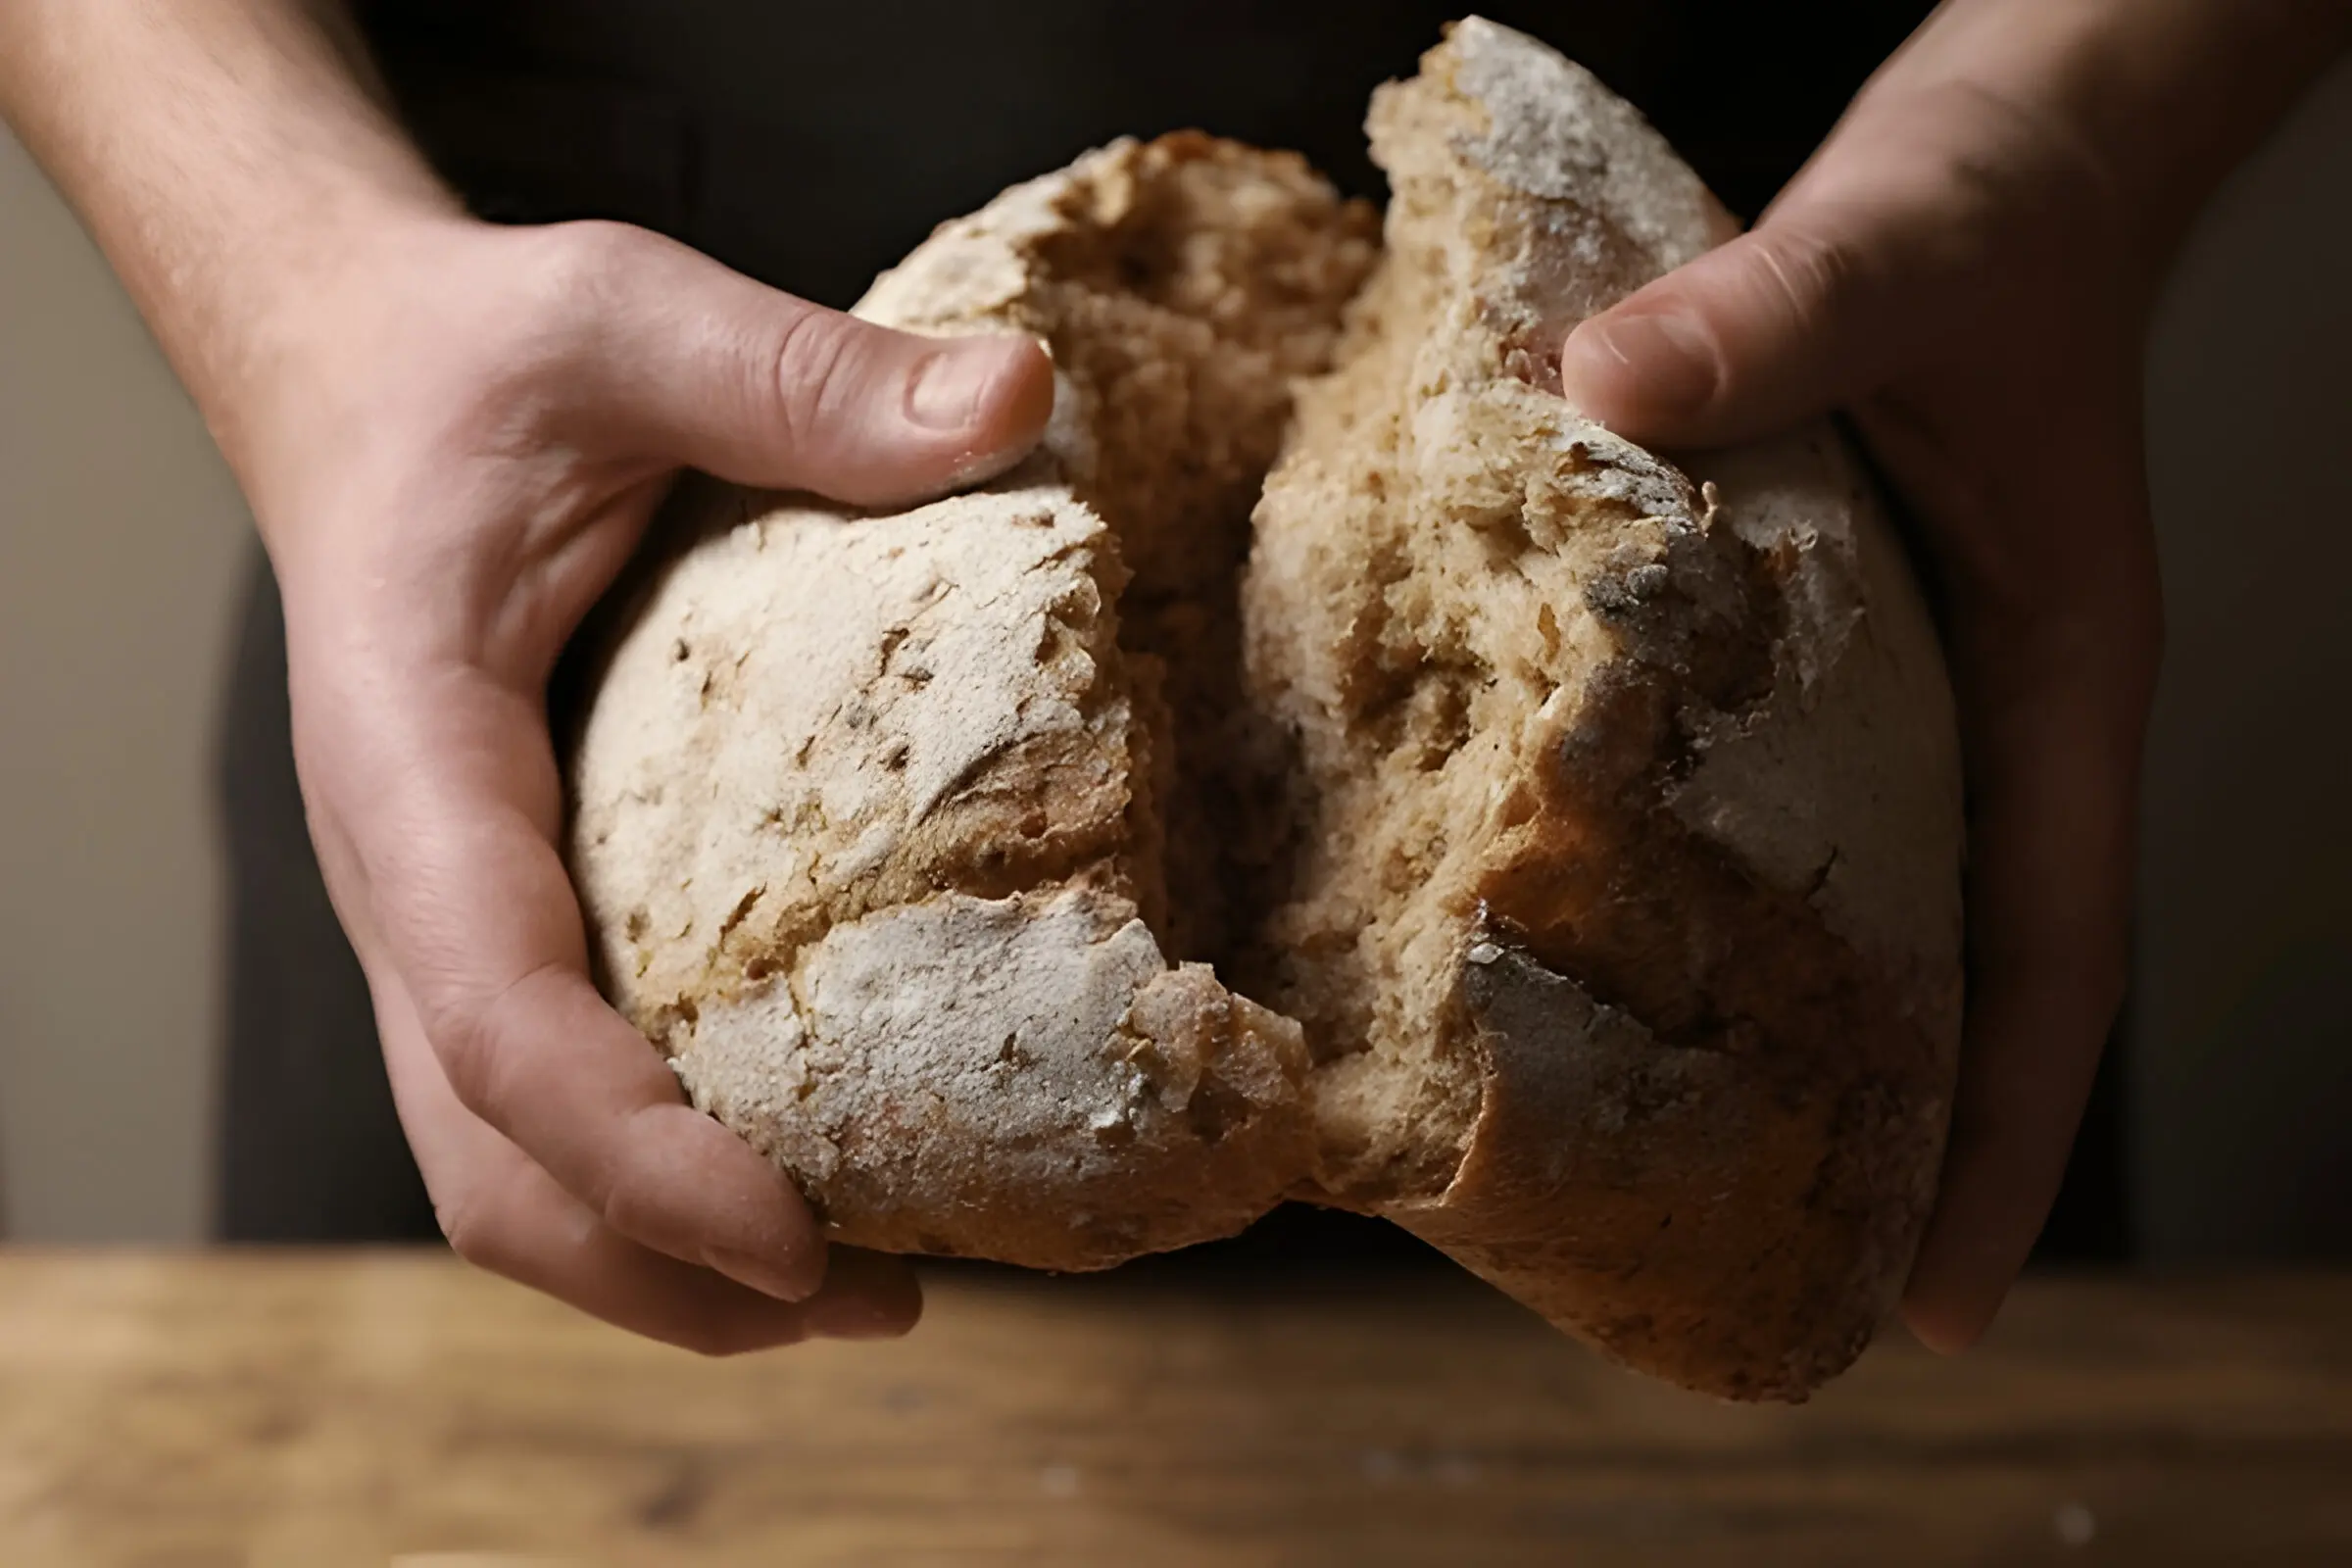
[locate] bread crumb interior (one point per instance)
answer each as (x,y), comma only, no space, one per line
(1180,318)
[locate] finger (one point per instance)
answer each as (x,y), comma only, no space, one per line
(447,801)
(1778,326)
(2053,665)
(1875,251)
(757,386)
(2048,911)
(502,1212)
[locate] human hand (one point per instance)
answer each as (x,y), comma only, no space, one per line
(1962,276)
(452,450)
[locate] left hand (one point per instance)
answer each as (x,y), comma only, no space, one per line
(459,440)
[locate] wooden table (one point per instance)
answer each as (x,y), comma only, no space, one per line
(325,1409)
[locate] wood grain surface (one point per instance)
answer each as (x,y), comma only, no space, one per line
(394,1407)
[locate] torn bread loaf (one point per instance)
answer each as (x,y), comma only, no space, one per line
(1549,845)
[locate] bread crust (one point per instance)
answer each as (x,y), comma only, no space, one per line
(1701,942)
(1604,926)
(866,809)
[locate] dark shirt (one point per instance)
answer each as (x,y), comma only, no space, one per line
(812,145)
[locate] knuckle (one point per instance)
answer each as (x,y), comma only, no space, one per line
(540,315)
(482,1039)
(574,279)
(580,266)
(810,372)
(1812,274)
(465,1035)
(469,1218)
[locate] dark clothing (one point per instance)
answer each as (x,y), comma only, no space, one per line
(310,1150)
(811,146)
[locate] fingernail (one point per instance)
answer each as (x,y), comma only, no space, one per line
(952,386)
(769,1276)
(1655,365)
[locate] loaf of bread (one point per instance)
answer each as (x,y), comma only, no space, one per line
(1330,770)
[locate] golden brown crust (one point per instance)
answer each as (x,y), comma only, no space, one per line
(1720,1174)
(1629,803)
(1671,1204)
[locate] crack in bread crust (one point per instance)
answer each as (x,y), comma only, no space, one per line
(894,831)
(1545,845)
(1625,921)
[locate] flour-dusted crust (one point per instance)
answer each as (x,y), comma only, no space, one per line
(868,809)
(1545,844)
(1629,789)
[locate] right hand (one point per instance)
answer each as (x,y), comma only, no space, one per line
(452,449)
(1964,279)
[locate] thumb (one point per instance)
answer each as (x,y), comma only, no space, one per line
(722,373)
(1782,323)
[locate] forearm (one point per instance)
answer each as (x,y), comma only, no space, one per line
(2162,97)
(228,157)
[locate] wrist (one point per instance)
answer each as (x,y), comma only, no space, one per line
(410,350)
(304,313)
(2157,100)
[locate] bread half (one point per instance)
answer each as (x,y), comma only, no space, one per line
(1547,845)
(1625,921)
(871,812)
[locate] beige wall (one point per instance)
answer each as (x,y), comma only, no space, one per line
(119,541)
(120,537)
